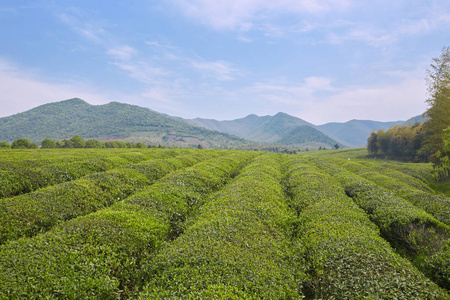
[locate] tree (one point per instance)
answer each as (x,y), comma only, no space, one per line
(48,144)
(441,160)
(23,144)
(438,113)
(336,146)
(4,145)
(140,145)
(372,142)
(92,144)
(64,144)
(77,141)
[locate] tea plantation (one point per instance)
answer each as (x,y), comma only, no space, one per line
(219,224)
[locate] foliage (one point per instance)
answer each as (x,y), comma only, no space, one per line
(24,172)
(48,144)
(305,134)
(4,145)
(99,255)
(64,144)
(228,245)
(345,258)
(439,102)
(23,144)
(29,214)
(441,160)
(399,142)
(77,141)
(91,143)
(209,224)
(64,119)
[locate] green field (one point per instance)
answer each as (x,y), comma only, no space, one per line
(220,224)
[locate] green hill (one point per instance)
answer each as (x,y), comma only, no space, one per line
(239,127)
(307,135)
(276,128)
(114,120)
(281,129)
(356,132)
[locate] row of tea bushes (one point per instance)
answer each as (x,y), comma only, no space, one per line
(411,189)
(413,232)
(20,175)
(236,247)
(405,175)
(345,257)
(29,214)
(98,256)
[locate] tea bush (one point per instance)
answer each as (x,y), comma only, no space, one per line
(345,258)
(20,174)
(99,255)
(29,214)
(236,242)
(416,192)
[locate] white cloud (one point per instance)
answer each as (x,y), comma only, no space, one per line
(292,94)
(123,52)
(242,14)
(385,103)
(22,90)
(220,70)
(389,102)
(90,29)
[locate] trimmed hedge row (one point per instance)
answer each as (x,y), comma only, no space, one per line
(413,232)
(235,248)
(98,256)
(416,192)
(19,175)
(403,174)
(27,215)
(345,257)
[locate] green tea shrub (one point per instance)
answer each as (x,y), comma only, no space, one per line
(26,215)
(345,257)
(98,255)
(29,214)
(236,246)
(411,189)
(85,258)
(437,266)
(20,176)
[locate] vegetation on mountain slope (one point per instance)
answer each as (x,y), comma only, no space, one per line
(112,121)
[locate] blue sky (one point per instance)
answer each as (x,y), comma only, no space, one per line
(322,61)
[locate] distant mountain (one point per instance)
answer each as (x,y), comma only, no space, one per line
(356,132)
(417,119)
(306,135)
(239,127)
(281,129)
(119,121)
(276,128)
(114,120)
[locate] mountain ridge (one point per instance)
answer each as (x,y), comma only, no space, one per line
(63,119)
(122,121)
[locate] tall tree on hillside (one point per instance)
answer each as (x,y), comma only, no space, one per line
(439,111)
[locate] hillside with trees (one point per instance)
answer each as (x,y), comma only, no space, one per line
(112,121)
(282,129)
(429,141)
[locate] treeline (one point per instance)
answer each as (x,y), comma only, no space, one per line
(74,142)
(431,140)
(399,142)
